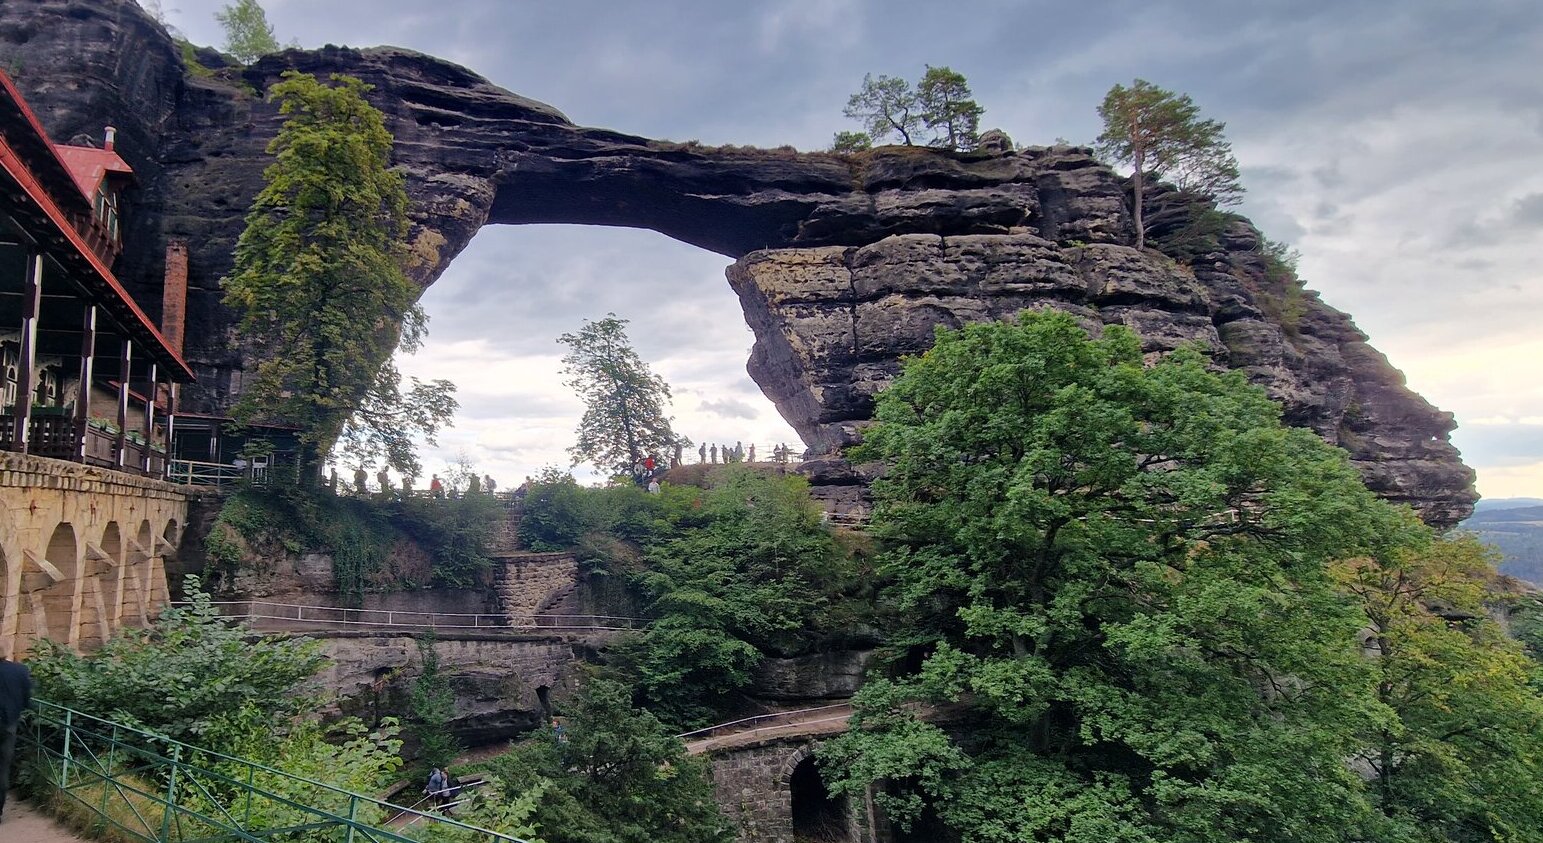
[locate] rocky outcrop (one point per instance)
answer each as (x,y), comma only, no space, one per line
(843,263)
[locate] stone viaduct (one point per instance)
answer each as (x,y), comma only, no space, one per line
(82,551)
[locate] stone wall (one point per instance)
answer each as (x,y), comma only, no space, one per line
(534,582)
(753,787)
(82,551)
(498,679)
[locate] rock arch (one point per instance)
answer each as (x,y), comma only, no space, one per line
(841,263)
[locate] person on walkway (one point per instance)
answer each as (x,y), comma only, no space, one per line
(473,485)
(436,789)
(488,484)
(752,452)
(384,479)
(702,452)
(715,453)
(653,486)
(558,732)
(15,697)
(436,487)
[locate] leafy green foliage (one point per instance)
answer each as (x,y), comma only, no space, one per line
(1122,573)
(624,401)
(248,35)
(320,286)
(619,776)
(1160,133)
(851,142)
(1463,758)
(748,569)
(180,676)
(431,707)
(887,106)
(376,544)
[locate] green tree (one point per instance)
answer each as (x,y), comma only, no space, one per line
(1119,573)
(184,673)
(747,569)
(948,108)
(1161,134)
(624,401)
(320,288)
(619,776)
(885,106)
(248,35)
(851,142)
(1463,758)
(431,707)
(888,106)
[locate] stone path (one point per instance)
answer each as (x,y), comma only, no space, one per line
(25,824)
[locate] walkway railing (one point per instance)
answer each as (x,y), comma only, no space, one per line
(334,616)
(774,720)
(145,787)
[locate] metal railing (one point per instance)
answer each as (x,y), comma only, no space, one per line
(141,786)
(786,718)
(299,613)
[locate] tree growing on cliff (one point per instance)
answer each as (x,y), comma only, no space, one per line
(248,35)
(624,419)
(1160,134)
(320,289)
(888,107)
(1119,571)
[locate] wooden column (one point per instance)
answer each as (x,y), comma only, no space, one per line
(125,371)
(87,371)
(149,420)
(31,300)
(171,422)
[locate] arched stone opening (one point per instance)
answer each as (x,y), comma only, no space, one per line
(151,573)
(101,588)
(58,602)
(818,815)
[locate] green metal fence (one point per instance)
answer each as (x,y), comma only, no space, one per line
(135,785)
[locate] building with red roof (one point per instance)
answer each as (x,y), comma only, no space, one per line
(85,375)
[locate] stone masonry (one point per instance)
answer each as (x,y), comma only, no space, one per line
(533,582)
(82,551)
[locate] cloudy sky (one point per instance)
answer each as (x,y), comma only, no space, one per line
(1399,146)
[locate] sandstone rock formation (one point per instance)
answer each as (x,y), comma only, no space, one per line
(843,263)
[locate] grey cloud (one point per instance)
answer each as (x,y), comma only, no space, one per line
(730,408)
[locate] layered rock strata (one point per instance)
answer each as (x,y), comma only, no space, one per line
(843,263)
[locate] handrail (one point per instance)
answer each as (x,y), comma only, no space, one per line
(769,716)
(395,618)
(123,776)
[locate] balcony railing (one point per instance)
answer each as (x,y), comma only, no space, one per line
(53,435)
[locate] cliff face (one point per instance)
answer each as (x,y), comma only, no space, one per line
(842,264)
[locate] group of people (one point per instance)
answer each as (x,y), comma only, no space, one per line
(711,454)
(438,488)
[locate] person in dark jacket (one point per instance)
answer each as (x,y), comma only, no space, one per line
(15,697)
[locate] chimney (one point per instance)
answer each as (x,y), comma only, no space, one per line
(174,293)
(111,135)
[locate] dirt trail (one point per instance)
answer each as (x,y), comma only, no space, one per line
(24,823)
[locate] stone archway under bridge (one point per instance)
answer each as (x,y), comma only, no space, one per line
(842,264)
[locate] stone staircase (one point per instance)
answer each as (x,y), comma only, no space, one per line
(531,583)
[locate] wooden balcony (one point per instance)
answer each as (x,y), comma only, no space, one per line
(54,436)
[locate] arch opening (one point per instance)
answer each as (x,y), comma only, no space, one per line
(818,816)
(58,600)
(102,590)
(498,309)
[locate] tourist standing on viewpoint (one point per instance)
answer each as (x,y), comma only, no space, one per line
(15,697)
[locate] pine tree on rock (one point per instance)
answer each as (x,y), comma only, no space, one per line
(1160,134)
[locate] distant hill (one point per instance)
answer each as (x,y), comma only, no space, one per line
(1515,527)
(1489,504)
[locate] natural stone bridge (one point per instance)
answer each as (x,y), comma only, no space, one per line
(843,264)
(82,551)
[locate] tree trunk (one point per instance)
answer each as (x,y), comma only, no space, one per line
(1136,182)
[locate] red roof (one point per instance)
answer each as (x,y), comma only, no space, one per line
(13,165)
(89,165)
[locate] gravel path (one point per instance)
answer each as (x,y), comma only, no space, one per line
(24,824)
